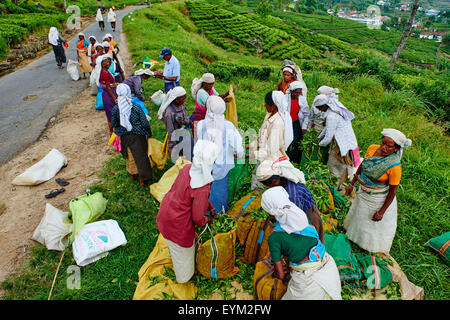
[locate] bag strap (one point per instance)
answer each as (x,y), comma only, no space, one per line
(214,249)
(261,237)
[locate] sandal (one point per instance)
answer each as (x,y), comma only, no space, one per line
(61,182)
(54,193)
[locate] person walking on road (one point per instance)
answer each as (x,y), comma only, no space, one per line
(112,18)
(99,18)
(57,42)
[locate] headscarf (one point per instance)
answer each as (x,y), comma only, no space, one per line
(170,96)
(197,83)
(98,67)
(294,86)
(280,101)
(92,37)
(205,154)
(124,102)
(276,202)
(328,96)
(398,137)
(215,119)
(143,71)
(53,36)
(281,167)
(108,35)
(97,44)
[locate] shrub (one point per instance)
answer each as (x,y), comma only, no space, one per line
(227,71)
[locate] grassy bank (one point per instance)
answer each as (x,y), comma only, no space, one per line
(422,198)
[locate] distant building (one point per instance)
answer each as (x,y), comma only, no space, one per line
(432,12)
(432,36)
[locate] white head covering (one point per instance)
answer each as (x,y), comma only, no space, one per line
(328,96)
(82,34)
(281,167)
(143,71)
(106,44)
(92,37)
(108,35)
(124,102)
(170,96)
(197,83)
(97,44)
(205,154)
(280,101)
(53,36)
(98,67)
(215,119)
(398,137)
(276,202)
(294,86)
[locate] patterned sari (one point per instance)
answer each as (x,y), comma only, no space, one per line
(374,167)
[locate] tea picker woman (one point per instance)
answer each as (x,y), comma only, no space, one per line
(201,90)
(99,19)
(229,142)
(173,112)
(131,125)
(185,206)
(371,221)
(299,111)
(82,53)
(112,18)
(57,42)
(283,173)
(314,274)
(338,134)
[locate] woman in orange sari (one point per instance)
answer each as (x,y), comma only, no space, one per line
(289,76)
(82,51)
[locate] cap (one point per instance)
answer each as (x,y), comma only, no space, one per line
(164,51)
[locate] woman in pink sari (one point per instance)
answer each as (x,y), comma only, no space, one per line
(202,89)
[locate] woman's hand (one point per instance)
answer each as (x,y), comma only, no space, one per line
(349,189)
(115,101)
(227,99)
(378,215)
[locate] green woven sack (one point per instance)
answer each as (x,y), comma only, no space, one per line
(440,245)
(341,251)
(375,271)
(236,177)
(85,209)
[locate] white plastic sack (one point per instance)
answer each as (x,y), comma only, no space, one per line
(54,229)
(73,69)
(158,97)
(95,240)
(94,90)
(43,170)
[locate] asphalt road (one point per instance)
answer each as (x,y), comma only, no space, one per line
(23,121)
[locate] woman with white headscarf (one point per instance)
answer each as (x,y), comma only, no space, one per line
(227,138)
(131,125)
(57,41)
(314,274)
(99,19)
(135,83)
(276,132)
(201,90)
(112,18)
(82,53)
(299,112)
(173,112)
(185,206)
(371,221)
(338,134)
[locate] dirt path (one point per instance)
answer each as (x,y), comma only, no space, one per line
(81,134)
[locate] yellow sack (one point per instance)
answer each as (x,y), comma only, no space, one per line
(231,111)
(256,245)
(329,223)
(154,268)
(216,257)
(267,287)
(241,210)
(160,188)
(111,139)
(157,153)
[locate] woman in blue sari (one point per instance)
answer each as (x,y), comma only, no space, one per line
(372,219)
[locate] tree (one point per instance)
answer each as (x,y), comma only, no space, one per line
(405,34)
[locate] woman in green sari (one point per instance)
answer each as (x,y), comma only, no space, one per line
(372,219)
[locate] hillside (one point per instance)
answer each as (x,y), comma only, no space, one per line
(379,99)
